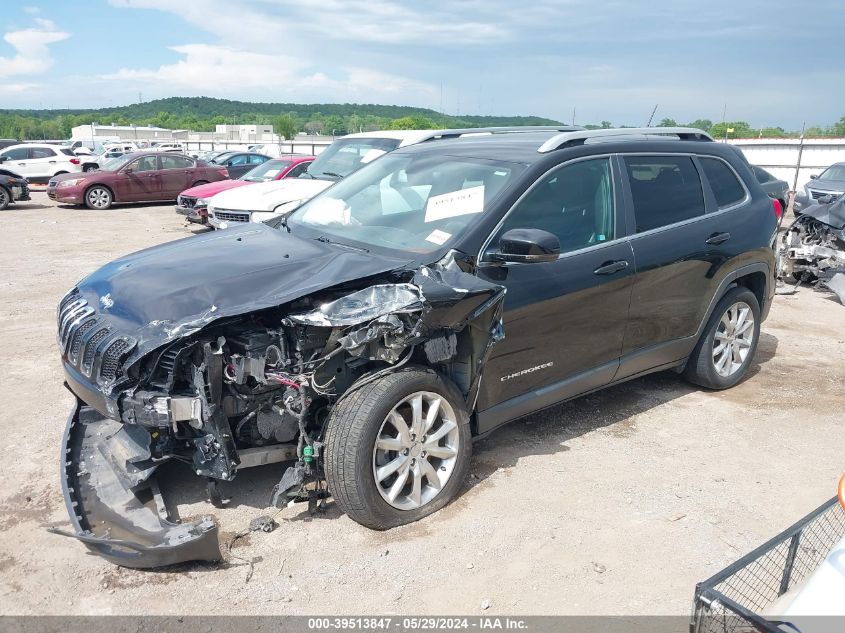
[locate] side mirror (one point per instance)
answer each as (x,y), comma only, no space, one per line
(229,163)
(128,170)
(3,159)
(813,176)
(528,246)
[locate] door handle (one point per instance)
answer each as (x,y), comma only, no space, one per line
(608,268)
(717,238)
(52,162)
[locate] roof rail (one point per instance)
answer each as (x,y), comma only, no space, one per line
(515,129)
(640,133)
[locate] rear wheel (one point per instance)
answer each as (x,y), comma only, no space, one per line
(98,197)
(397,449)
(5,198)
(729,341)
(88,168)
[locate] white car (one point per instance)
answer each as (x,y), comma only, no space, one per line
(260,202)
(39,162)
(168,147)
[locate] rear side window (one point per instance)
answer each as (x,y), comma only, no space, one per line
(723,181)
(175,162)
(665,189)
(42,152)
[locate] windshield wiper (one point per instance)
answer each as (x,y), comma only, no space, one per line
(330,174)
(326,240)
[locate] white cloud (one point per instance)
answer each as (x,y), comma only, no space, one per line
(225,71)
(32,49)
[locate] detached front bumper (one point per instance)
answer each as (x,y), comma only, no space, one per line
(113,498)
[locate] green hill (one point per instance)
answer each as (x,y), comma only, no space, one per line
(203,113)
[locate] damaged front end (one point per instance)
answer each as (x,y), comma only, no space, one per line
(813,248)
(245,390)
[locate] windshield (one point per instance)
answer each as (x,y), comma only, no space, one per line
(115,163)
(344,156)
(412,203)
(266,171)
(835,172)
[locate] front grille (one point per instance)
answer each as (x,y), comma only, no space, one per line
(76,341)
(820,194)
(91,348)
(83,339)
(111,359)
(231,216)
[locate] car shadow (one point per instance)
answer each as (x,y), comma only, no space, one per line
(25,206)
(545,432)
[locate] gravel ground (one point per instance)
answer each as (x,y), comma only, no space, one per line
(616,503)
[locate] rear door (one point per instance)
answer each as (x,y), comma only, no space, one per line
(678,248)
(43,162)
(175,176)
(564,320)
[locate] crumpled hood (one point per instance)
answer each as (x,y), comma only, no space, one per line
(213,188)
(172,290)
(832,214)
(266,196)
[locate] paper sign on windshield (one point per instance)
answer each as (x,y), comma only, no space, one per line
(455,203)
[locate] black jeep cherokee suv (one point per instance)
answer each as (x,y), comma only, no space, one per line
(439,292)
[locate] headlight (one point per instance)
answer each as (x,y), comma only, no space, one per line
(70,183)
(201,202)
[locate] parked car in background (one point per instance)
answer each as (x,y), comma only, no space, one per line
(831,182)
(136,177)
(239,163)
(90,162)
(13,188)
(169,146)
(341,158)
(776,189)
(193,203)
(39,162)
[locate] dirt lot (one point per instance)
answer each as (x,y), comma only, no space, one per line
(617,503)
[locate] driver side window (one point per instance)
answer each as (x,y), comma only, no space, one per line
(145,163)
(574,203)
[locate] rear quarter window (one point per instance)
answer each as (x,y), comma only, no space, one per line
(727,188)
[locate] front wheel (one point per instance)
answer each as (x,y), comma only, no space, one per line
(398,448)
(727,346)
(5,198)
(98,197)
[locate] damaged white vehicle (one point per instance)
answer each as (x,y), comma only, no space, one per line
(813,247)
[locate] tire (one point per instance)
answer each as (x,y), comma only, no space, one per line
(98,197)
(5,198)
(714,369)
(89,168)
(353,461)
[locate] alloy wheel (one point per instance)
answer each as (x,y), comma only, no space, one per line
(99,198)
(416,450)
(733,339)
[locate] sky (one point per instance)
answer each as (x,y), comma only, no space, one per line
(606,60)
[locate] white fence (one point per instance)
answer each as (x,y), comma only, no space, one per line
(781,156)
(311,148)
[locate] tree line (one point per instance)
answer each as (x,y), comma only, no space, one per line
(202,114)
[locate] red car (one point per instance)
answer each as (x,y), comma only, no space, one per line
(193,202)
(135,177)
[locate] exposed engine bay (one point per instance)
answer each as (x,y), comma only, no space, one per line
(249,390)
(813,248)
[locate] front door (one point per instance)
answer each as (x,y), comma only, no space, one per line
(17,160)
(138,181)
(564,320)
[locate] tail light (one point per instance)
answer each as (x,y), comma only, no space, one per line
(74,161)
(778,208)
(224,172)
